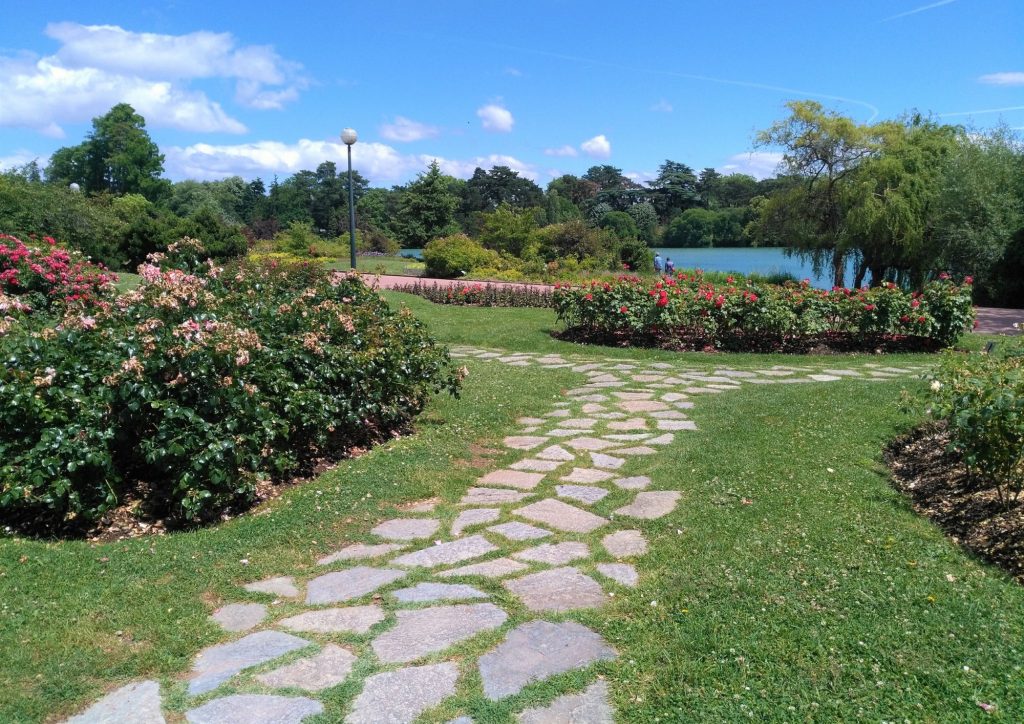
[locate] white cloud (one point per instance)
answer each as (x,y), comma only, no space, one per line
(921,9)
(1007,78)
(565,150)
(662,106)
(641,177)
(19,158)
(405,130)
(759,164)
(378,162)
(495,118)
(597,147)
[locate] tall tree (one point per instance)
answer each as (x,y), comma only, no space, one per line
(427,208)
(674,190)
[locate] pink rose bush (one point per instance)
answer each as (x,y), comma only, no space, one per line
(189,389)
(687,312)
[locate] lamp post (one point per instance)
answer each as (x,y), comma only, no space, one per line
(348,135)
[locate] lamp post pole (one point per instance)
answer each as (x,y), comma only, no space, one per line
(349,137)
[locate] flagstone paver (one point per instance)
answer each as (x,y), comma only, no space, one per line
(538,650)
(519,531)
(398,697)
(586,475)
(588,707)
(425,592)
(136,703)
(216,664)
(556,452)
(328,668)
(491,496)
(588,494)
(352,619)
(427,630)
(407,528)
(524,442)
(283,586)
(512,479)
(677,425)
(557,589)
(239,616)
(555,554)
(350,583)
(638,450)
(622,573)
(642,405)
(254,709)
(475,516)
(535,465)
(447,553)
(589,443)
(600,460)
(358,551)
(625,543)
(651,504)
(561,516)
(496,568)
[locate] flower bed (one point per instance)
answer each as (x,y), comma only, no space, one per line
(688,312)
(197,384)
(480,294)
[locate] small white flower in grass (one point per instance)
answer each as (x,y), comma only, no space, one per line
(244,561)
(654,604)
(936,385)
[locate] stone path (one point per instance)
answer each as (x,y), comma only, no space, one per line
(556,531)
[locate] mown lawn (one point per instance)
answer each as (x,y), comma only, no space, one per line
(822,598)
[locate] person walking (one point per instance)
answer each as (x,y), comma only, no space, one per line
(670,268)
(659,266)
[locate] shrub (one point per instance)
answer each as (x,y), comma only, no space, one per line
(689,312)
(481,295)
(620,224)
(635,256)
(197,384)
(456,255)
(981,397)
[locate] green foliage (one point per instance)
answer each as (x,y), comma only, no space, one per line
(690,312)
(620,224)
(634,255)
(480,295)
(692,228)
(574,239)
(198,383)
(507,229)
(456,255)
(981,397)
(427,208)
(646,220)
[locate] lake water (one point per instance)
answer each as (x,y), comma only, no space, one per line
(743,261)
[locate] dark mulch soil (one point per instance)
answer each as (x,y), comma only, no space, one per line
(969,510)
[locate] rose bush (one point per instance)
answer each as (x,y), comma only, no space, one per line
(204,379)
(686,311)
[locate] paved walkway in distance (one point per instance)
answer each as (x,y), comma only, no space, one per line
(991,320)
(559,530)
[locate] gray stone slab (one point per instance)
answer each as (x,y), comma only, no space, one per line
(536,651)
(586,475)
(358,551)
(350,619)
(637,482)
(579,423)
(561,516)
(350,583)
(519,531)
(461,720)
(398,697)
(447,553)
(283,586)
(425,592)
(825,378)
(842,373)
(638,450)
(239,616)
(328,668)
(512,479)
(554,554)
(636,395)
(588,707)
(524,442)
(651,504)
(559,413)
(535,465)
(668,415)
(610,462)
(632,423)
(628,437)
(610,415)
(255,709)
(216,664)
(428,630)
(677,425)
(529,421)
(665,439)
(588,443)
(497,568)
(564,432)
(592,407)
(476,516)
(622,573)
(625,543)
(491,496)
(588,494)
(557,589)
(642,405)
(407,528)
(136,703)
(737,374)
(556,452)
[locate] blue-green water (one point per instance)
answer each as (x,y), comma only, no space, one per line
(743,261)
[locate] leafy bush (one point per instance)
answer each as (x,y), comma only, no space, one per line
(197,384)
(620,224)
(481,295)
(456,255)
(687,311)
(981,397)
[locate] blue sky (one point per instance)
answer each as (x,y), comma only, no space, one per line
(259,89)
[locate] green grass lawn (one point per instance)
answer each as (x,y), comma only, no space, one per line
(825,598)
(396,265)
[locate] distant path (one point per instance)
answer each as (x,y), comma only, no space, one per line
(991,320)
